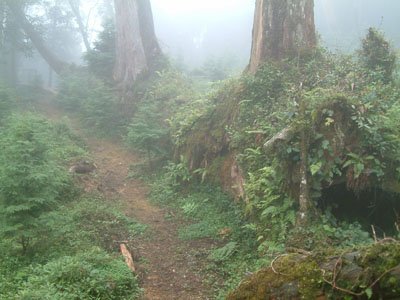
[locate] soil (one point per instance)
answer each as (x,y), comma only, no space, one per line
(167,267)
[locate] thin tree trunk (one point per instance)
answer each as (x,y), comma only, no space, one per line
(54,62)
(24,244)
(12,67)
(2,18)
(304,190)
(149,158)
(281,28)
(304,197)
(75,9)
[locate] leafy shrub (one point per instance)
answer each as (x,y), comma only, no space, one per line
(377,55)
(147,132)
(89,275)
(31,180)
(326,232)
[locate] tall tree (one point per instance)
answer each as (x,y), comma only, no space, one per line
(285,28)
(136,44)
(16,7)
(281,28)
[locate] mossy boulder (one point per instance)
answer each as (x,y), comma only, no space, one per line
(371,272)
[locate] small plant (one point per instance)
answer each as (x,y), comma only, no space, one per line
(223,253)
(146,132)
(189,208)
(179,173)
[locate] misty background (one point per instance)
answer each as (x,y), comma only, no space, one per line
(195,31)
(197,35)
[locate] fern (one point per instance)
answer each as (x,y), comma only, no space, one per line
(223,253)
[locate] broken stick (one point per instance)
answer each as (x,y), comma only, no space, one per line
(128,257)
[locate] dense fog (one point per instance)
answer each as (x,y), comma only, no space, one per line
(197,34)
(193,31)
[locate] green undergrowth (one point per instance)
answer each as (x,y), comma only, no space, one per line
(56,243)
(210,215)
(345,106)
(340,111)
(75,256)
(213,214)
(343,109)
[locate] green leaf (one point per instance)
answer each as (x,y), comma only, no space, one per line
(359,167)
(315,168)
(353,155)
(347,163)
(329,121)
(368,292)
(325,144)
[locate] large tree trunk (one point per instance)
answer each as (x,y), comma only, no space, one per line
(74,4)
(281,28)
(150,43)
(136,44)
(54,62)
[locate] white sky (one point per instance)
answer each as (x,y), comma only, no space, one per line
(182,7)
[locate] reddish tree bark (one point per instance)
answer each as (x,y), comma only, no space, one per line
(136,44)
(281,28)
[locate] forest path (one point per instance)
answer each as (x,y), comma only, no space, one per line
(168,268)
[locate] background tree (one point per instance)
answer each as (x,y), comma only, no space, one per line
(136,45)
(17,9)
(281,28)
(12,42)
(285,28)
(75,7)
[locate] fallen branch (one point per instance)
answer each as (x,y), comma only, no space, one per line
(333,283)
(285,134)
(272,264)
(128,257)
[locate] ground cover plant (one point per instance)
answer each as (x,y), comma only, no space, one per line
(55,242)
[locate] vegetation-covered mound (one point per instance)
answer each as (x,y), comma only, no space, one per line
(371,272)
(329,119)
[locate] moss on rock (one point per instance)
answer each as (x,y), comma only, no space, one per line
(371,272)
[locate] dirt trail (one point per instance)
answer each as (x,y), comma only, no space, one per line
(169,271)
